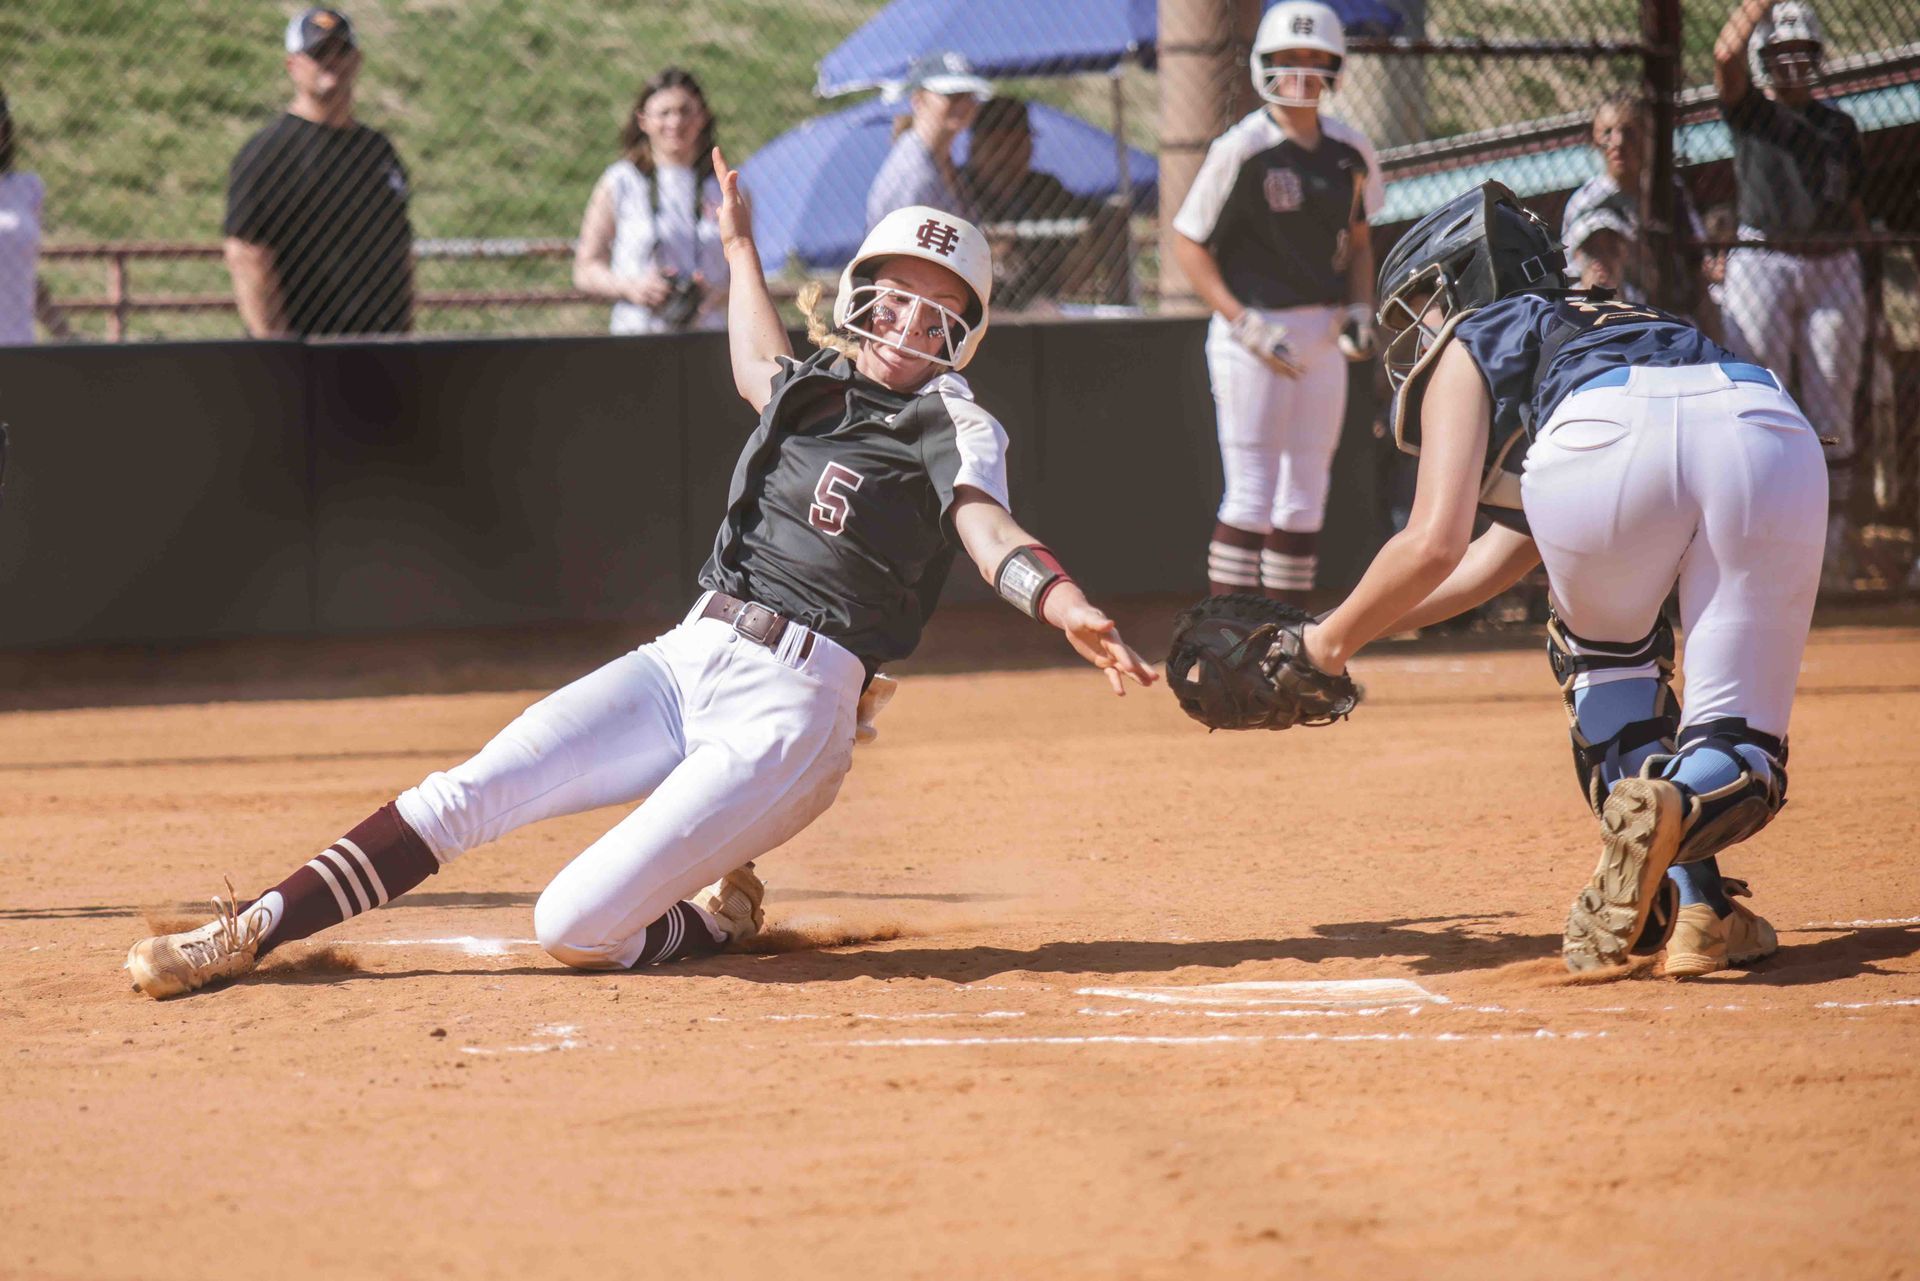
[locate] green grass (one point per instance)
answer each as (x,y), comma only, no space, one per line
(506,111)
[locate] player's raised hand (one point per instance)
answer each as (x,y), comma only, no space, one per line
(1093,635)
(736,223)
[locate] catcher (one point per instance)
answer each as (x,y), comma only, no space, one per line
(1632,455)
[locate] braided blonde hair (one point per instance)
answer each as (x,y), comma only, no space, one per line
(819,332)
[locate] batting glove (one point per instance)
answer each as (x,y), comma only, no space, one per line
(1356,333)
(1267,340)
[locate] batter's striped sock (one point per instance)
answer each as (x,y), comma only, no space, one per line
(684,931)
(371,865)
(1288,561)
(1233,560)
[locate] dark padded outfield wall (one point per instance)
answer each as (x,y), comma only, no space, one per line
(155,492)
(171,492)
(477,483)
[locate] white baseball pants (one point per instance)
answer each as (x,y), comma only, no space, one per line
(1806,314)
(734,747)
(1686,476)
(1278,434)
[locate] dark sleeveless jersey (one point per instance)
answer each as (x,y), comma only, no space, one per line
(837,516)
(1583,337)
(1276,216)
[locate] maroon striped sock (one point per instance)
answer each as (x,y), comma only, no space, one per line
(680,933)
(376,862)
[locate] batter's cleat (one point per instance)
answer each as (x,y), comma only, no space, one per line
(734,901)
(224,948)
(1641,825)
(1704,941)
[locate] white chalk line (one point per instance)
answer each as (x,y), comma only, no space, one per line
(1260,992)
(884,1018)
(1224,1038)
(1860,925)
(560,1036)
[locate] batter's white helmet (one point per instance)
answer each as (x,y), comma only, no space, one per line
(1296,24)
(932,236)
(1791,22)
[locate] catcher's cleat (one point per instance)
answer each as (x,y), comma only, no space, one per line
(1640,831)
(1704,941)
(223,948)
(734,901)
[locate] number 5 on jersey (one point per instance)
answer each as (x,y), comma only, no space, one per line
(830,498)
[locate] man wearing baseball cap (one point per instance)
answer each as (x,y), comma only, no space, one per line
(945,97)
(317,235)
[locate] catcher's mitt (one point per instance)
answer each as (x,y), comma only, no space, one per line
(1238,662)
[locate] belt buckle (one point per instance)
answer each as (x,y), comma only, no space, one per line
(757,623)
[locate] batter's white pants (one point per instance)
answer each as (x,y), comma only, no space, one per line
(734,747)
(1806,314)
(1686,476)
(1277,434)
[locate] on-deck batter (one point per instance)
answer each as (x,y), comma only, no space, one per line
(1273,235)
(1632,455)
(865,475)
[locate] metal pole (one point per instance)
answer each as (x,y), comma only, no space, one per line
(1660,84)
(117,295)
(1196,47)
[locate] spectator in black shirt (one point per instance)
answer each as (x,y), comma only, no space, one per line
(318,240)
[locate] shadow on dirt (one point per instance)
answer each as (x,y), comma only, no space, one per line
(1842,954)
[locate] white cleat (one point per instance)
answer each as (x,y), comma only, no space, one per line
(224,948)
(734,901)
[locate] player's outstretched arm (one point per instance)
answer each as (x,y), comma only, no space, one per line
(1027,575)
(1494,562)
(1455,416)
(755,337)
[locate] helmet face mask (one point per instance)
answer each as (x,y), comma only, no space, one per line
(893,316)
(1409,323)
(1784,50)
(862,307)
(1280,75)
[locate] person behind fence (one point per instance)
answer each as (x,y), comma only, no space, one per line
(1273,236)
(318,239)
(649,239)
(1621,134)
(944,95)
(1046,240)
(23,294)
(1798,169)
(872,467)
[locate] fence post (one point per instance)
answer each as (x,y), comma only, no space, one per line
(117,295)
(1196,51)
(1660,85)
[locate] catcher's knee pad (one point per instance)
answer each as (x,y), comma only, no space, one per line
(1619,700)
(1734,779)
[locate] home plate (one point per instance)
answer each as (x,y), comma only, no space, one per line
(1277,992)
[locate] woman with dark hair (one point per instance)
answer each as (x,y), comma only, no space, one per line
(23,295)
(649,240)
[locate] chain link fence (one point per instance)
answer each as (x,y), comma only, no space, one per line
(512,171)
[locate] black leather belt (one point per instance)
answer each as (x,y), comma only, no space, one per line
(756,623)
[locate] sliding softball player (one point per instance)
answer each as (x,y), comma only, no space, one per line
(1273,235)
(871,467)
(1632,455)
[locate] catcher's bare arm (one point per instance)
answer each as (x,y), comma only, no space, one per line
(1494,562)
(1446,493)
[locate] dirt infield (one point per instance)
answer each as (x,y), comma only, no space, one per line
(1116,999)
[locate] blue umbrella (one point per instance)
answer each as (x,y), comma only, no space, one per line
(809,185)
(1008,38)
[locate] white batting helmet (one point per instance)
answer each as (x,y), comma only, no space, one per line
(1296,24)
(931,236)
(1791,22)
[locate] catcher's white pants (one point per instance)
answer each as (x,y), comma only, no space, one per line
(1686,476)
(1277,434)
(734,747)
(1806,314)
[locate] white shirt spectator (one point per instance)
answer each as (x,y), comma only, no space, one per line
(910,176)
(681,237)
(21,195)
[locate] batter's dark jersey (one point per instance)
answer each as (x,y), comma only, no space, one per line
(838,513)
(1276,216)
(1507,338)
(332,206)
(1797,171)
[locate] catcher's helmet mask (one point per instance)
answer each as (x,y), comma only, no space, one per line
(1481,246)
